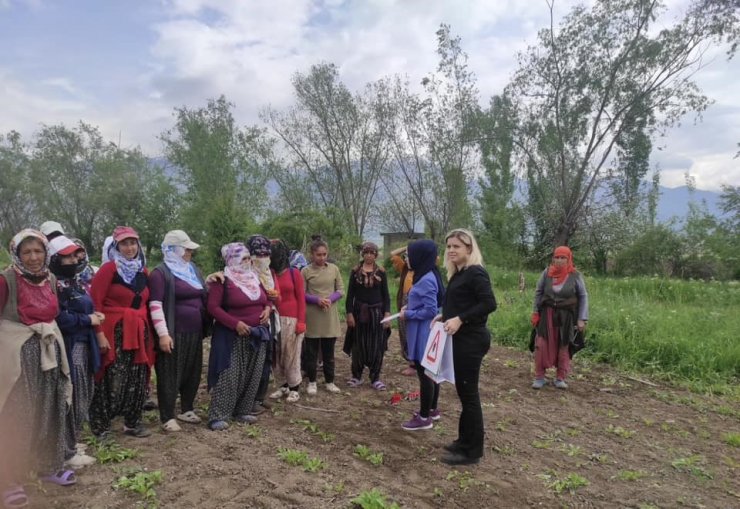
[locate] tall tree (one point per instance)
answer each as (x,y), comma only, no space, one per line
(433,141)
(502,218)
(17,201)
(604,75)
(221,168)
(337,144)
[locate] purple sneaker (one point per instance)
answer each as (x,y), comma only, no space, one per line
(435,414)
(417,422)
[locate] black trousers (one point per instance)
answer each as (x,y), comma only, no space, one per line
(179,372)
(469,346)
(326,345)
(428,391)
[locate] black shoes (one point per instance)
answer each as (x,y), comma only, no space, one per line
(455,458)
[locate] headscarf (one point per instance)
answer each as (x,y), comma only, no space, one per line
(245,278)
(559,274)
(279,258)
(260,246)
(181,269)
(297,260)
(107,245)
(15,244)
(127,269)
(69,275)
(422,256)
(87,273)
(368,280)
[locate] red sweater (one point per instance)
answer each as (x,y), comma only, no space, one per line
(114,301)
(292,301)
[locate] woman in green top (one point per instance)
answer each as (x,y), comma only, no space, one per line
(324,287)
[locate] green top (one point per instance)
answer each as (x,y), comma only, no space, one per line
(322,282)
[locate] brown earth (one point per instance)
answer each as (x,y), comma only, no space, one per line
(635,444)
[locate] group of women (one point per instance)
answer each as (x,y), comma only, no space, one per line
(76,349)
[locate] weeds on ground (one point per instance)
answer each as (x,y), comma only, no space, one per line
(692,465)
(464,480)
(569,483)
(373,499)
(364,452)
(298,458)
(732,439)
(108,451)
(141,482)
(253,431)
(313,428)
(620,431)
(631,475)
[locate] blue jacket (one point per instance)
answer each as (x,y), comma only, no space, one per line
(75,306)
(420,310)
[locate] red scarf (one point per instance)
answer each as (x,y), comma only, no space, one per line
(560,273)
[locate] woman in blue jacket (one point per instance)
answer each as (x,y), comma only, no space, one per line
(424,300)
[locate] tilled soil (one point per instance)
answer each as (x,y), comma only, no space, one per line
(610,440)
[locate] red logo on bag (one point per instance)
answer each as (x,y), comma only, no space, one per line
(433,350)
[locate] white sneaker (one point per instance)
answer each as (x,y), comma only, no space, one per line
(79,461)
(171,425)
(311,389)
(282,391)
(333,388)
(293,396)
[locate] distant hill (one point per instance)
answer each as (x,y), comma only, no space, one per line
(674,202)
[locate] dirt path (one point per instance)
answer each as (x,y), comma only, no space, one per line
(631,444)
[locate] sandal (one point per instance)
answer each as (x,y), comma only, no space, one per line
(171,425)
(354,382)
(61,478)
(189,416)
(378,385)
(15,497)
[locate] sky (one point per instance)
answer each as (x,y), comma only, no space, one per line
(125,65)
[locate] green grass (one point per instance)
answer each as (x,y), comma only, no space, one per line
(732,439)
(365,453)
(373,499)
(682,331)
(141,482)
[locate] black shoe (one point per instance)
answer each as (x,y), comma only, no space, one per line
(454,458)
(150,405)
(138,431)
(452,447)
(257,410)
(265,404)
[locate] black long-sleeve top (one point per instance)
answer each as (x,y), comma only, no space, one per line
(378,293)
(470,297)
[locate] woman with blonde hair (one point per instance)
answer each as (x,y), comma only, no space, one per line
(468,302)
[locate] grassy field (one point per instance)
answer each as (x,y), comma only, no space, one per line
(683,331)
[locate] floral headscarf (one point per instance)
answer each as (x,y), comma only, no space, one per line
(173,258)
(244,278)
(297,260)
(259,246)
(15,244)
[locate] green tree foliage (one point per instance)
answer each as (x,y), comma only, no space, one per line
(17,202)
(222,169)
(599,87)
(433,140)
(503,221)
(336,144)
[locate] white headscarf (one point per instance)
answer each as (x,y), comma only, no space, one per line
(173,258)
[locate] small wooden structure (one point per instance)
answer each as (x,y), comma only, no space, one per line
(392,240)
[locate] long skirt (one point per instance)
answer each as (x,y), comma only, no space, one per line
(369,345)
(548,352)
(287,362)
(234,393)
(83,382)
(179,372)
(34,418)
(123,389)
